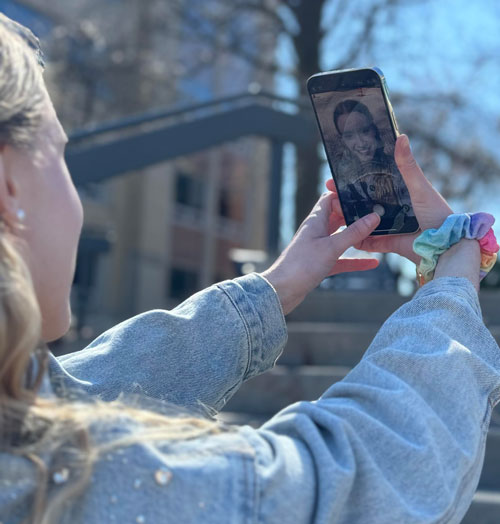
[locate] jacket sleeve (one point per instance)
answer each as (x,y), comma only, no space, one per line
(402,437)
(195,356)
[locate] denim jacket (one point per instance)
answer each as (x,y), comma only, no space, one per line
(400,439)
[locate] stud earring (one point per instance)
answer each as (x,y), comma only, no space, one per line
(21,215)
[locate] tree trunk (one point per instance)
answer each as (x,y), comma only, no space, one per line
(307,43)
(308,171)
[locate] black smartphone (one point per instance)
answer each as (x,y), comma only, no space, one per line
(359,131)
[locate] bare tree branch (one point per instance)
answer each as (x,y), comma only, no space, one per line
(339,12)
(236,47)
(262,8)
(469,164)
(364,38)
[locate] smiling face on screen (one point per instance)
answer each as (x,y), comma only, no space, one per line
(358,134)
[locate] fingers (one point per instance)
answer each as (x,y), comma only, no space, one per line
(376,245)
(330,185)
(346,265)
(430,207)
(400,244)
(324,204)
(356,232)
(335,201)
(412,174)
(336,209)
(419,187)
(334,222)
(320,213)
(336,218)
(326,216)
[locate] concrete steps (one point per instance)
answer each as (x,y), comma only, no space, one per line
(490,476)
(327,343)
(333,343)
(283,385)
(365,306)
(485,508)
(371,306)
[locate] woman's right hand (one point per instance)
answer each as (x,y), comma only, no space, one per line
(431,209)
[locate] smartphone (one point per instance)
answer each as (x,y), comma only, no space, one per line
(359,130)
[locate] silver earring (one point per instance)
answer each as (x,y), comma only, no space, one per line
(21,215)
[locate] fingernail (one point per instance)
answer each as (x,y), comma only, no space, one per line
(406,144)
(372,219)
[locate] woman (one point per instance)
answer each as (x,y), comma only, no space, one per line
(367,177)
(114,432)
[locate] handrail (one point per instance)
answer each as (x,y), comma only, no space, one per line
(202,126)
(162,114)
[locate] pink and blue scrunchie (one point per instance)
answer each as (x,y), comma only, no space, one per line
(434,242)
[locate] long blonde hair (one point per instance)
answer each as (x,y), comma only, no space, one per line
(30,425)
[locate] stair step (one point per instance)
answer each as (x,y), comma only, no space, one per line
(327,343)
(370,306)
(490,476)
(485,508)
(332,343)
(283,385)
(270,392)
(340,306)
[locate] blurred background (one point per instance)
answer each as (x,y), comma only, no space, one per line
(196,155)
(193,144)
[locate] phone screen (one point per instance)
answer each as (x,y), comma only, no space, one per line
(359,140)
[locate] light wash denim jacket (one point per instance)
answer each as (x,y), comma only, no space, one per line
(400,440)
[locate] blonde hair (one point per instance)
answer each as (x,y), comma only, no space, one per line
(30,425)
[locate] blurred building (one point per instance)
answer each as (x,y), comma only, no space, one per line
(152,238)
(175,223)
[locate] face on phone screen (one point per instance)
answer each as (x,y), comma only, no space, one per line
(359,142)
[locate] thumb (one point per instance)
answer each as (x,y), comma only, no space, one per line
(430,207)
(356,232)
(413,176)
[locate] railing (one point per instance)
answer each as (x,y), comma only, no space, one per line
(100,152)
(193,112)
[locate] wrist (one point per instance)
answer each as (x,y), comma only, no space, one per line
(461,260)
(433,244)
(284,288)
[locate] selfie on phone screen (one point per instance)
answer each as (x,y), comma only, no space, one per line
(359,142)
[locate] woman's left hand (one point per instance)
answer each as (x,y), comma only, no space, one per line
(431,209)
(315,250)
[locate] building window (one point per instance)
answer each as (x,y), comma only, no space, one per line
(189,191)
(183,283)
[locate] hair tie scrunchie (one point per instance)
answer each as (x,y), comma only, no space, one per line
(432,243)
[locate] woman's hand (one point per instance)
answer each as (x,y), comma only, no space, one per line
(314,252)
(430,207)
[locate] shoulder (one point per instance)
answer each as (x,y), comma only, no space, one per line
(208,479)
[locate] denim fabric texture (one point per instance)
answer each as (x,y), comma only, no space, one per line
(400,440)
